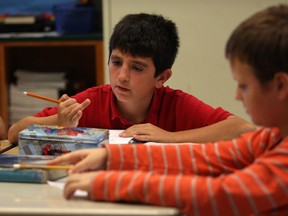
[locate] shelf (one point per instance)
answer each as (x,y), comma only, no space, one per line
(81,56)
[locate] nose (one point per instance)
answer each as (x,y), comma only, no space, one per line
(124,74)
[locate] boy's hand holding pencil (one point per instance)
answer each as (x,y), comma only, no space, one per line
(69,110)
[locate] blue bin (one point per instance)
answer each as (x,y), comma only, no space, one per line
(74,19)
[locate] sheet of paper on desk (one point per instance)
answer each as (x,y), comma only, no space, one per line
(60,185)
(115,139)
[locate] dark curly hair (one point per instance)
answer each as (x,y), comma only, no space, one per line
(147,35)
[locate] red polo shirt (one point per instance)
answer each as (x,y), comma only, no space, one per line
(171,110)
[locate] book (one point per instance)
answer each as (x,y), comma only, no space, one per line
(35,175)
(39,76)
(19,19)
(21,106)
(55,140)
(49,84)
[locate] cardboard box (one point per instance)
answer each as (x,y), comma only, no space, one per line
(54,140)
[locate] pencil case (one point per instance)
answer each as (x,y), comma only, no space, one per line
(55,140)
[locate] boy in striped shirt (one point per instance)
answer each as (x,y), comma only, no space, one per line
(244,176)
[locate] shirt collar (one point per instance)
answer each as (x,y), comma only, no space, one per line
(153,113)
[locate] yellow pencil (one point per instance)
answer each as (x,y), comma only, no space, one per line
(36,166)
(41,97)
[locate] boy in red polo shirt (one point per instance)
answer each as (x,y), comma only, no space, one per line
(142,50)
(244,176)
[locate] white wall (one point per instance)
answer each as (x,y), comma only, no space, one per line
(204,26)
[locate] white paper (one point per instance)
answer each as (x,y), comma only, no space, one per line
(60,185)
(114,137)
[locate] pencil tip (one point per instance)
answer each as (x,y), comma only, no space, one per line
(25,93)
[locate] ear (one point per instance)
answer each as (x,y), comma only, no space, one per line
(281,81)
(162,78)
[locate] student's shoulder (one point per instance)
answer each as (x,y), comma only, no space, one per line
(168,92)
(100,88)
(94,92)
(264,135)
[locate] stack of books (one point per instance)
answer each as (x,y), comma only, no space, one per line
(48,84)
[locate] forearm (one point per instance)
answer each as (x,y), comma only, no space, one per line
(228,129)
(226,194)
(147,158)
(178,158)
(14,130)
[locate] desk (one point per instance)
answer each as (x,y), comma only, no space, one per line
(43,199)
(4,144)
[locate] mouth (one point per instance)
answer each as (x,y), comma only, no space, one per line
(121,88)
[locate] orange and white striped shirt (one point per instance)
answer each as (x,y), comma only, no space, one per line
(245,176)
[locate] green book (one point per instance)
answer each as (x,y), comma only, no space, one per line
(10,174)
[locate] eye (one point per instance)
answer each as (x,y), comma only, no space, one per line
(116,63)
(137,68)
(242,87)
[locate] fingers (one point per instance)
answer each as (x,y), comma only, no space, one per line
(142,137)
(84,104)
(95,159)
(71,106)
(64,97)
(75,182)
(72,184)
(70,111)
(83,160)
(135,129)
(139,129)
(147,132)
(81,166)
(73,157)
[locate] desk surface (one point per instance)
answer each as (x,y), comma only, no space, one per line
(43,199)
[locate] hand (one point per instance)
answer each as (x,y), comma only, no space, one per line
(84,160)
(148,132)
(70,111)
(81,181)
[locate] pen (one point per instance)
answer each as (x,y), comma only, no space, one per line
(41,97)
(135,141)
(7,148)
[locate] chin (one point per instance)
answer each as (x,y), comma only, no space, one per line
(121,98)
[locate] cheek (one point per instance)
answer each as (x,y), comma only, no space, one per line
(112,73)
(255,105)
(139,79)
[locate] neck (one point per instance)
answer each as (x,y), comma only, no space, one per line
(135,112)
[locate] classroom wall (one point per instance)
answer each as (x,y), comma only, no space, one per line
(204,26)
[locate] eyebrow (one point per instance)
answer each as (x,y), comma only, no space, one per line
(143,64)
